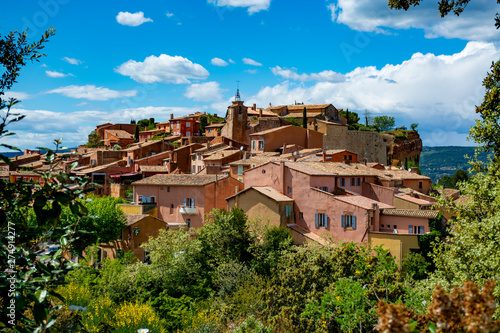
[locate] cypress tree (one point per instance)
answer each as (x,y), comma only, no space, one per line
(304,118)
(136,134)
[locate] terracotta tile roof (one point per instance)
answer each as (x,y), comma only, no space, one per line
(100,168)
(428,214)
(153,168)
(401,174)
(342,169)
(257,160)
(301,153)
(308,170)
(180,180)
(216,125)
(300,115)
(139,145)
(221,154)
(361,201)
(134,218)
(414,200)
(306,233)
(269,192)
(265,112)
(307,106)
(19,173)
(121,134)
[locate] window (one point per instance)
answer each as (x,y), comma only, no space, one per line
(188,124)
(301,215)
(189,202)
(395,227)
(240,169)
(321,220)
(240,180)
(193,169)
(288,210)
(193,158)
(353,181)
(199,156)
(177,124)
(289,190)
(342,181)
(381,226)
(188,133)
(188,222)
(139,198)
(358,181)
(349,221)
(208,130)
(199,168)
(350,157)
(253,165)
(168,189)
(261,145)
(420,184)
(324,188)
(254,145)
(415,229)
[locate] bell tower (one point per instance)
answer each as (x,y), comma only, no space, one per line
(236,120)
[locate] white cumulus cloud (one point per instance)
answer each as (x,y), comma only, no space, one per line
(291,74)
(218,62)
(428,89)
(253,6)
(72,61)
(475,23)
(205,92)
(132,19)
(251,62)
(91,92)
(56,74)
(165,68)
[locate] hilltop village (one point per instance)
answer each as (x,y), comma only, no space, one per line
(321,180)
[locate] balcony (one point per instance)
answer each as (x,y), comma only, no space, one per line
(187,210)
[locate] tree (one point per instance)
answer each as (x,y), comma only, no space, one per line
(414,126)
(28,281)
(94,140)
(352,117)
(132,121)
(368,118)
(203,123)
(136,133)
(384,123)
(445,7)
(304,118)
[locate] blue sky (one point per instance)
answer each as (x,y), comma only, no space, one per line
(117,60)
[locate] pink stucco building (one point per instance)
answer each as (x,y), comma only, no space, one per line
(185,198)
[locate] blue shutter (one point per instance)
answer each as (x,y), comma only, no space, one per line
(185,202)
(410,229)
(326,189)
(316,220)
(192,202)
(326,220)
(343,221)
(353,222)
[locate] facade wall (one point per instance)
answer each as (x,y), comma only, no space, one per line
(402,223)
(118,190)
(258,206)
(236,123)
(423,185)
(378,193)
(183,127)
(398,245)
(404,204)
(366,144)
(288,135)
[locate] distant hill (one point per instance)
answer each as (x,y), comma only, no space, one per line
(16,153)
(435,162)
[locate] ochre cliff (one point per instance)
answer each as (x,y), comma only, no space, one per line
(401,145)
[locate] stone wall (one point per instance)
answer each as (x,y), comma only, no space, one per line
(367,144)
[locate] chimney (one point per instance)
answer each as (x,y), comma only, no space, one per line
(171,116)
(366,161)
(324,155)
(215,114)
(254,107)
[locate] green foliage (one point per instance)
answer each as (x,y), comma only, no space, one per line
(414,126)
(352,117)
(384,123)
(445,7)
(453,181)
(250,325)
(159,136)
(304,275)
(94,140)
(415,266)
(293,121)
(203,123)
(136,134)
(366,128)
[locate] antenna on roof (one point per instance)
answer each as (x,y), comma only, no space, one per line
(237,96)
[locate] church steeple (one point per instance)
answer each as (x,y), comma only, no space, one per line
(237,97)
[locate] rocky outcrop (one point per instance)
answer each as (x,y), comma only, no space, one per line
(403,145)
